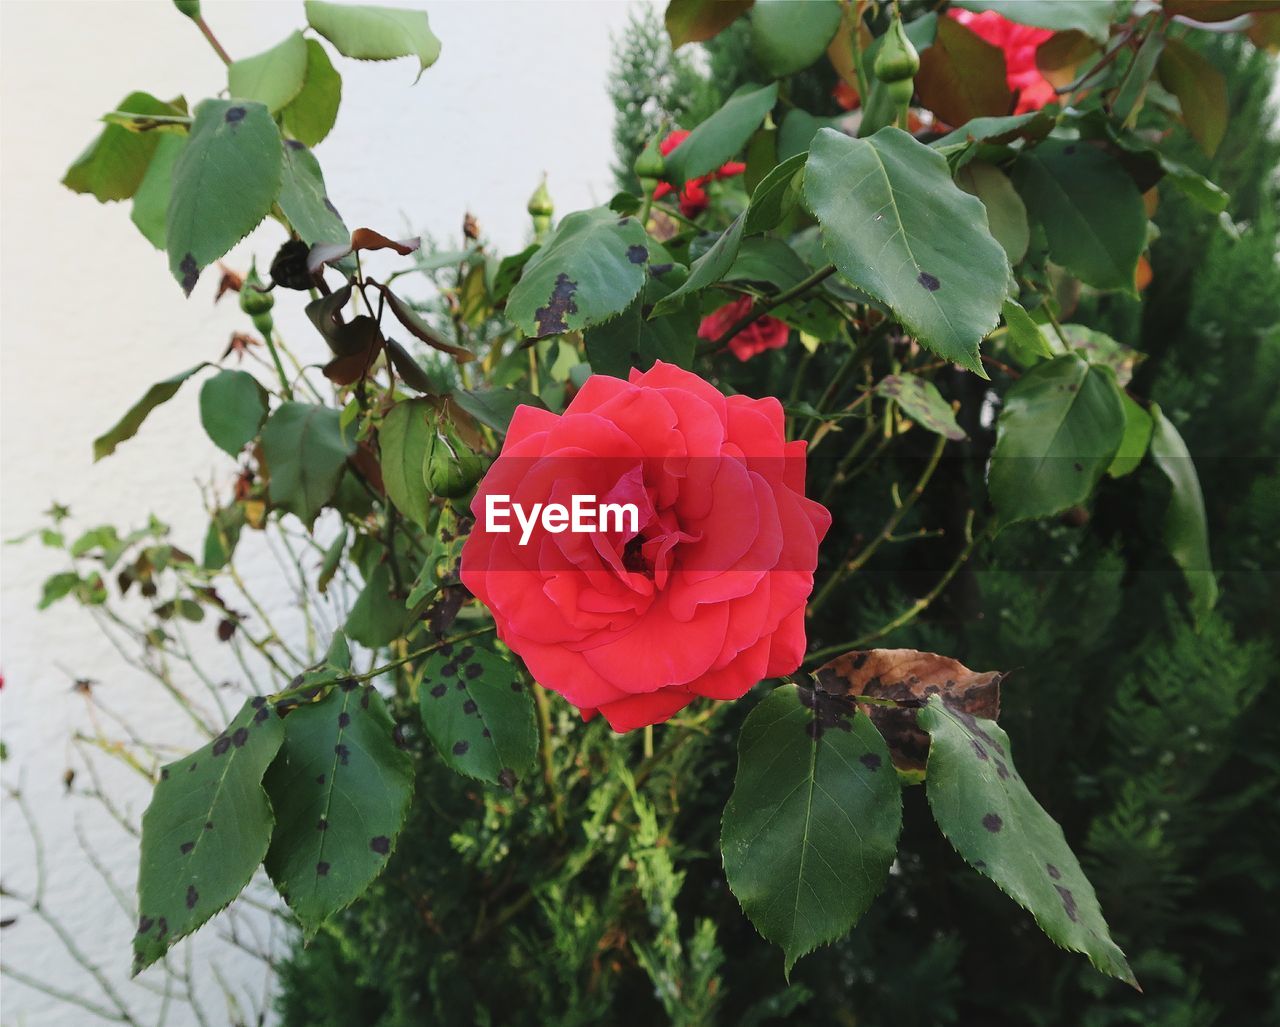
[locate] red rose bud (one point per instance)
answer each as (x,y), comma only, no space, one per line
(649,546)
(763,333)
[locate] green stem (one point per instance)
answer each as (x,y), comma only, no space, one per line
(856,564)
(207,32)
(543,705)
(907,615)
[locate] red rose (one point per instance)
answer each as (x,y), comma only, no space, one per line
(1019,43)
(762,334)
(846,95)
(706,598)
(693,197)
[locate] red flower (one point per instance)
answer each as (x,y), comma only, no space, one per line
(846,95)
(693,197)
(705,599)
(1019,43)
(762,334)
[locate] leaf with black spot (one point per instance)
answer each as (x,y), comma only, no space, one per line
(478,714)
(224,182)
(585,274)
(881,202)
(993,821)
(341,789)
(812,826)
(205,832)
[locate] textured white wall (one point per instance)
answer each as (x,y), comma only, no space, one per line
(90,317)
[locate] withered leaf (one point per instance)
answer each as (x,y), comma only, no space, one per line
(910,677)
(361,239)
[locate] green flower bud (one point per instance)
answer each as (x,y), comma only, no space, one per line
(264,324)
(450,468)
(650,164)
(253,300)
(540,202)
(540,209)
(897,59)
(191,8)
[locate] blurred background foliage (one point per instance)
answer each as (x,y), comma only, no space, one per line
(1148,742)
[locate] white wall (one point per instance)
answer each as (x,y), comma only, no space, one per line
(89,317)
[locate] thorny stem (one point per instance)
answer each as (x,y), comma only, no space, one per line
(910,613)
(543,705)
(886,533)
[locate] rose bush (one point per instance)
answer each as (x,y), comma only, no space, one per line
(941,282)
(723,560)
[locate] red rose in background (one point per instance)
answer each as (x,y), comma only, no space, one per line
(1019,43)
(762,334)
(693,197)
(705,599)
(846,96)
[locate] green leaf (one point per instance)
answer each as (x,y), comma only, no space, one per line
(369,33)
(402,441)
(305,201)
(1092,17)
(112,167)
(1025,340)
(768,261)
(778,193)
(205,832)
(494,407)
(478,714)
(692,21)
(1186,529)
(1060,428)
(341,789)
(1208,195)
(1098,348)
(274,78)
(312,113)
(921,401)
(151,200)
(707,269)
(986,812)
(377,617)
(233,405)
(962,76)
(1006,214)
(1201,90)
(789,35)
(306,451)
(723,135)
(632,340)
(332,559)
(224,182)
(985,130)
(1137,436)
(1091,211)
(222,537)
(590,270)
(812,826)
(880,202)
(124,429)
(57,586)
